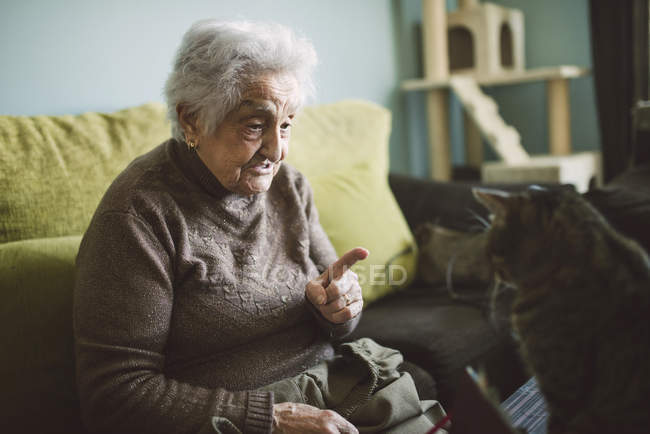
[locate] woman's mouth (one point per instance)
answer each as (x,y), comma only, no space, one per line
(263,168)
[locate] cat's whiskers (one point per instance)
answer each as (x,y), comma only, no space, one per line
(449,278)
(484,223)
(498,287)
(484,226)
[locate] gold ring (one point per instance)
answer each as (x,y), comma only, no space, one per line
(348,300)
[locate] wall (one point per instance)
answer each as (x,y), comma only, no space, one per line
(79,55)
(72,56)
(557,32)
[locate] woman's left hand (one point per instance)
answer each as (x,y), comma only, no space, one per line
(336,293)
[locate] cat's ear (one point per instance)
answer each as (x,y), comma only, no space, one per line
(494,200)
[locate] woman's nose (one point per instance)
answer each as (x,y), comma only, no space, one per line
(272,145)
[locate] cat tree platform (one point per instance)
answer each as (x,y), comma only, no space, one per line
(550,73)
(579,169)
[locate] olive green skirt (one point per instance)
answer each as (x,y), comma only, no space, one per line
(363,385)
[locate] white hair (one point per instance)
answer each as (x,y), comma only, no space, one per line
(216,61)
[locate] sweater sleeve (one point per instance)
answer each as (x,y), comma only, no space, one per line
(323,254)
(123,304)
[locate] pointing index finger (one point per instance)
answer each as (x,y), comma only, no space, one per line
(346,261)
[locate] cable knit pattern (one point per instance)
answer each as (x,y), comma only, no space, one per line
(190,297)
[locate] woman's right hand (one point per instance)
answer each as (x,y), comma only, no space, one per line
(336,293)
(291,417)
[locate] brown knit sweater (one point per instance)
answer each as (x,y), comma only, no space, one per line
(190,297)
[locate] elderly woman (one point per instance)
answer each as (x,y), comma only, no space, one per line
(205,283)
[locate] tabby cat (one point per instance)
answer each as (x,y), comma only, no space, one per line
(582,309)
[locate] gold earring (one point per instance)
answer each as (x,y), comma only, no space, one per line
(191,144)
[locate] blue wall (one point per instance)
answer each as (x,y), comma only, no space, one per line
(79,55)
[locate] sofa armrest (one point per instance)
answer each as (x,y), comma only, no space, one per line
(450,204)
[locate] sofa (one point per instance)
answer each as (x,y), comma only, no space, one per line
(54,170)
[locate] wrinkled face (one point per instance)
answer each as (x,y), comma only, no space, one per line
(248,147)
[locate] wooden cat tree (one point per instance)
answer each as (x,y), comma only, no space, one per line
(483,45)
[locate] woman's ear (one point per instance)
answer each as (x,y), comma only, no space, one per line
(188,121)
(495,201)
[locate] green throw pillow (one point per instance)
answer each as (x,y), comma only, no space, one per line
(55,169)
(342,149)
(37,370)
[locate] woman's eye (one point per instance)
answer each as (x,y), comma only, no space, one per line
(255,127)
(285,126)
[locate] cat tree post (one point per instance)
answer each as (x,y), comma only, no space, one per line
(559,116)
(473,140)
(436,67)
(466,4)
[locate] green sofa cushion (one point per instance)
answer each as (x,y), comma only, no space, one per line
(55,169)
(37,369)
(342,149)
